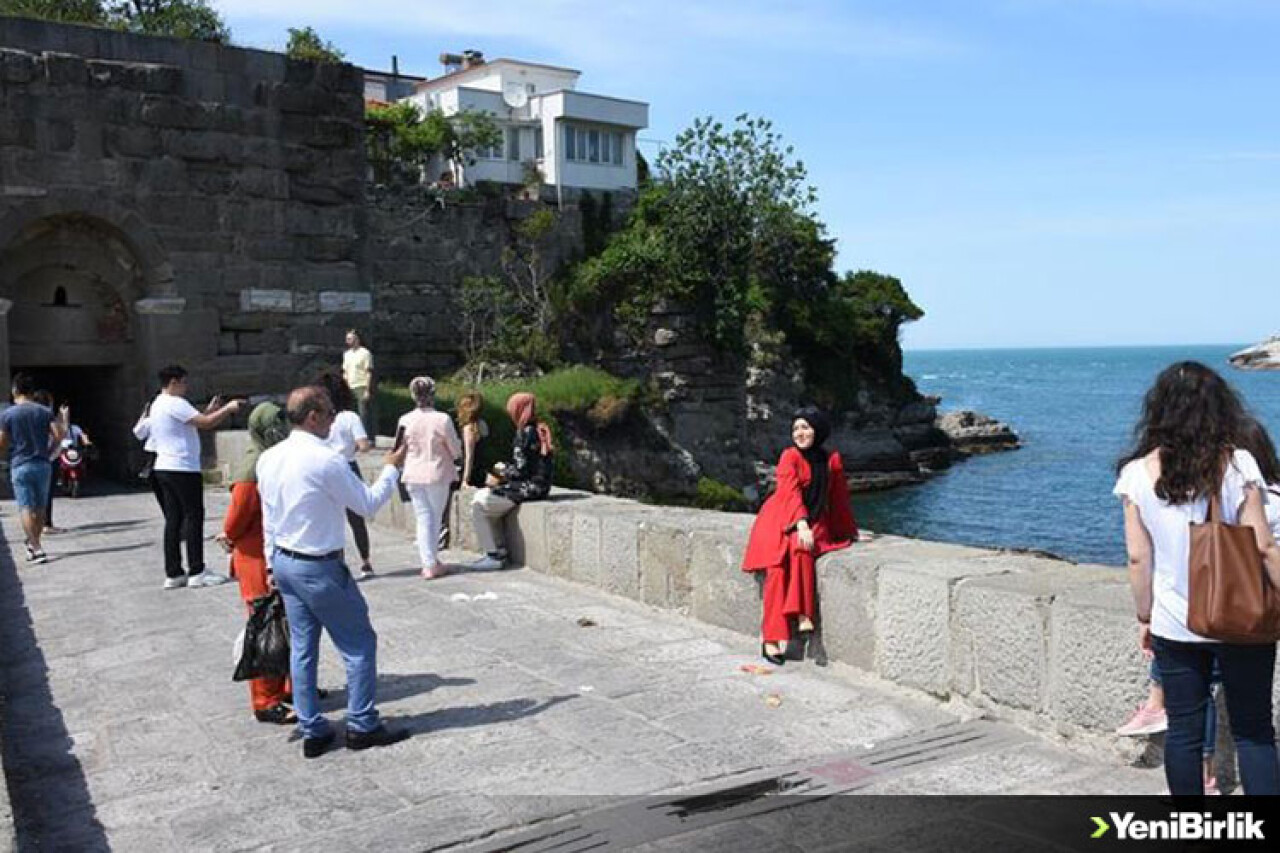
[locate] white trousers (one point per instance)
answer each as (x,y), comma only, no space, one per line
(487,511)
(429,502)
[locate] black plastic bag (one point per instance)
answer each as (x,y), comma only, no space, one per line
(266,640)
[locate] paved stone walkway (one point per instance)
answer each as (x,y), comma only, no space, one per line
(528,698)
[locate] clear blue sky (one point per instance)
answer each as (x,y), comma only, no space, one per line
(1037,172)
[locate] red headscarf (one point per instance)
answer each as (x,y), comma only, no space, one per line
(522,407)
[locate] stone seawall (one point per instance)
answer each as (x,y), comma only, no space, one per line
(1041,641)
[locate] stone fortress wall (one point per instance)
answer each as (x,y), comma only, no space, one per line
(167,200)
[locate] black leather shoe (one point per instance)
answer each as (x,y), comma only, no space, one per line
(280,715)
(776,660)
(381,736)
(314,747)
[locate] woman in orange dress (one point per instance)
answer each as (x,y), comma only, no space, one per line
(242,534)
(807,515)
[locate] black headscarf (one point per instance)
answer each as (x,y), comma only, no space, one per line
(815,494)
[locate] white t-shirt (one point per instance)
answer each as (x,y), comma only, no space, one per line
(176,441)
(347,429)
(1170,531)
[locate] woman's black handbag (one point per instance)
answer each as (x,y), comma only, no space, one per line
(266,640)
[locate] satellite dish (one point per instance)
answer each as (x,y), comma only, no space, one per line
(514,95)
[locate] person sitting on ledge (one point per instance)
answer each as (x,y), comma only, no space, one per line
(807,515)
(527,478)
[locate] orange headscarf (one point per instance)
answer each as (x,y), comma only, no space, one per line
(522,407)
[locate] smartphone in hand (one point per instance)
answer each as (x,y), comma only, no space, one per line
(399,438)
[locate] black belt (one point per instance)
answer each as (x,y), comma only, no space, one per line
(314,558)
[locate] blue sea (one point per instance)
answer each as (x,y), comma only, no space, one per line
(1074,410)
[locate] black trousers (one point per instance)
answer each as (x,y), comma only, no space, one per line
(182,501)
(358,527)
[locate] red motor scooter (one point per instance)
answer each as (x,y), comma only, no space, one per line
(72,469)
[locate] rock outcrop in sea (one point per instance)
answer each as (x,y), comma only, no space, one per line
(1263,356)
(973,433)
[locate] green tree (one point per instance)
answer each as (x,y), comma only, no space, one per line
(193,19)
(66,11)
(727,228)
(402,141)
(306,44)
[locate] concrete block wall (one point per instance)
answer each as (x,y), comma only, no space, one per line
(1014,633)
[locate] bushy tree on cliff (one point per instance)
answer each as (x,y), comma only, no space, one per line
(306,44)
(727,228)
(194,19)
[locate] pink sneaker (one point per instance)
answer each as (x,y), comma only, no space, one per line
(1145,721)
(439,571)
(1211,787)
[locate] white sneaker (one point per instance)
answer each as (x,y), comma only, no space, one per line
(486,563)
(175,583)
(207,578)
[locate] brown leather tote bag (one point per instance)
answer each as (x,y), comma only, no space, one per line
(1231,597)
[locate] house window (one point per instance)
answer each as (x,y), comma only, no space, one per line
(537,143)
(513,143)
(584,145)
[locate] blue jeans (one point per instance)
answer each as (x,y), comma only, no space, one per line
(1247,673)
(321,594)
(1211,710)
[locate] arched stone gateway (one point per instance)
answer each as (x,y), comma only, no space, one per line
(71,285)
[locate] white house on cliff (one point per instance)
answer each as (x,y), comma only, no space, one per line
(577,140)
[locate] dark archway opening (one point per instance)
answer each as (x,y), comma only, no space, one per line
(91,392)
(72,281)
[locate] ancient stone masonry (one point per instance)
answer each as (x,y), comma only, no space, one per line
(167,200)
(421,250)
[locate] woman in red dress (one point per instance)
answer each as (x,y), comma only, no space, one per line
(807,515)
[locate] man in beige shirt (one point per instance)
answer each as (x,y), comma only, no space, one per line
(357,370)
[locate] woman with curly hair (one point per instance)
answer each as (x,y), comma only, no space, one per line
(1187,448)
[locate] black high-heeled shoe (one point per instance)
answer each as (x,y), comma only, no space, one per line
(777,660)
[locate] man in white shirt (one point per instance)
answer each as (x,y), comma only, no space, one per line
(357,369)
(175,433)
(306,487)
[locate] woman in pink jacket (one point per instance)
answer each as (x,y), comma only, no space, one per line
(429,469)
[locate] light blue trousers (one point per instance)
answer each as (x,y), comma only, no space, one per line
(323,595)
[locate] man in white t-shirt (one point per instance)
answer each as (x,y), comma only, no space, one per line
(357,369)
(174,426)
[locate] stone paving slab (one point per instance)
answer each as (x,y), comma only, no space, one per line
(124,730)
